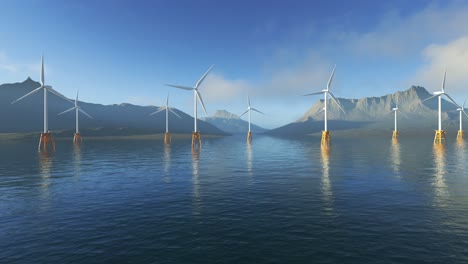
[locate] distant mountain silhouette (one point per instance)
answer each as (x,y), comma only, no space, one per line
(117,119)
(231,123)
(372,113)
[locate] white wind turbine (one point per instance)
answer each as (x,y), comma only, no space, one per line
(440,134)
(167,136)
(395,110)
(46,136)
(77,138)
(326,92)
(461,110)
(249,109)
(196,97)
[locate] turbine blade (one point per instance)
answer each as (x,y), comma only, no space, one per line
(167,100)
(42,70)
(180,87)
(76,100)
(451,99)
(321,111)
(50,89)
(336,102)
(403,114)
(159,110)
(172,111)
(257,111)
(465,113)
(201,101)
(464,104)
(331,77)
(245,112)
(388,113)
(313,93)
(73,108)
(248,100)
(443,81)
(82,111)
(33,91)
(429,98)
(203,77)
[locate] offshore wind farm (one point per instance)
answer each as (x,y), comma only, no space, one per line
(269,172)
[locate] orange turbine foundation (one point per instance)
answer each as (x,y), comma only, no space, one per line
(46,140)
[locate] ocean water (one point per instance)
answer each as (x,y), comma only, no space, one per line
(365,200)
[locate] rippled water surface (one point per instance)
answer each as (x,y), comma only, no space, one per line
(275,201)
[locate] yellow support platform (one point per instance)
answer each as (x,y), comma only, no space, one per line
(196,139)
(439,137)
(167,138)
(395,134)
(460,134)
(249,137)
(44,140)
(325,138)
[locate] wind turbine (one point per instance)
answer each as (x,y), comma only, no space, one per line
(249,109)
(196,96)
(395,110)
(440,134)
(167,136)
(46,135)
(461,110)
(77,138)
(326,92)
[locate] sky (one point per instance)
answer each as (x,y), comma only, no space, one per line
(116,51)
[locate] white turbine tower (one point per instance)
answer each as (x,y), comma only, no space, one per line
(249,109)
(461,110)
(326,92)
(395,110)
(167,136)
(440,134)
(196,97)
(46,135)
(77,137)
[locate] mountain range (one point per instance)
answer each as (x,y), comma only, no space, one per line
(372,114)
(365,114)
(117,119)
(231,123)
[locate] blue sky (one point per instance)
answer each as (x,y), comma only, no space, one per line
(275,51)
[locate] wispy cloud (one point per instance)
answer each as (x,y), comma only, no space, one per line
(398,35)
(5,65)
(440,57)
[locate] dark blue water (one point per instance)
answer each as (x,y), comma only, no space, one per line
(276,201)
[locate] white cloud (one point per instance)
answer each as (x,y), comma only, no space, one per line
(452,56)
(219,89)
(399,35)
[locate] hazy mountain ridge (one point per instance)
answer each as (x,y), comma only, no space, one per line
(232,123)
(376,108)
(27,115)
(372,113)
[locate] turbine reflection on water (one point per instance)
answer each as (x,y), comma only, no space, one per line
(395,156)
(195,181)
(326,184)
(167,162)
(460,153)
(45,167)
(249,159)
(77,155)
(439,184)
